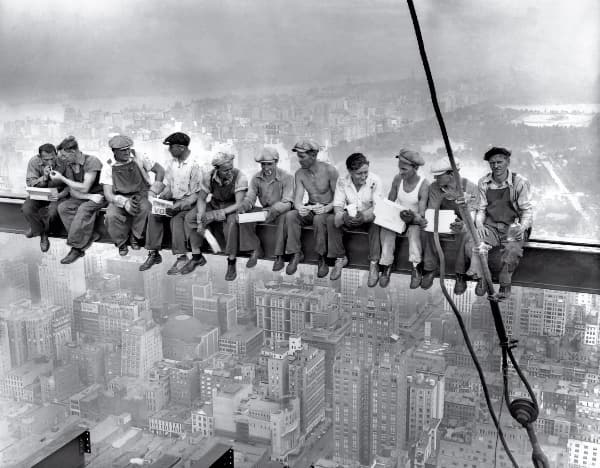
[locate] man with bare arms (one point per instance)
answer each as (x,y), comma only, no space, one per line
(318,179)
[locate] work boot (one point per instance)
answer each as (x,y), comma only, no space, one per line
(253,260)
(460,285)
(427,280)
(373,274)
(384,279)
(322,268)
(179,263)
(340,263)
(123,250)
(293,265)
(44,242)
(416,277)
(480,288)
(29,233)
(154,258)
(504,291)
(196,261)
(231,271)
(73,255)
(278,264)
(134,242)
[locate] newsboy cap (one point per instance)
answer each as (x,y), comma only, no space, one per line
(496,150)
(222,158)
(268,154)
(410,157)
(442,165)
(120,142)
(177,138)
(306,145)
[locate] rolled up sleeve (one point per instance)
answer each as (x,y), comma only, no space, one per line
(339,197)
(33,174)
(525,203)
(241,183)
(287,195)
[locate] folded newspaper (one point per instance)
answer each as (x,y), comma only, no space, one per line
(252,217)
(159,206)
(42,194)
(212,241)
(387,215)
(446,218)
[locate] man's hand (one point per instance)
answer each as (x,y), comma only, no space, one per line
(407,216)
(46,172)
(338,220)
(52,197)
(129,207)
(481,231)
(56,176)
(207,218)
(96,198)
(457,226)
(321,209)
(271,215)
(201,229)
(179,205)
(219,215)
(303,211)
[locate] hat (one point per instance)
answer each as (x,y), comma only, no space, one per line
(410,157)
(222,158)
(306,145)
(442,165)
(268,154)
(68,143)
(496,150)
(177,138)
(120,142)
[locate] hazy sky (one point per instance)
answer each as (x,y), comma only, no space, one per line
(74,48)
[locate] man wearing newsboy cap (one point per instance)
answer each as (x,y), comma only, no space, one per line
(274,188)
(126,183)
(227,187)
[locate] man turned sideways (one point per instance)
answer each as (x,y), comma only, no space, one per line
(318,179)
(79,210)
(504,217)
(39,213)
(183,176)
(126,185)
(227,187)
(274,188)
(354,206)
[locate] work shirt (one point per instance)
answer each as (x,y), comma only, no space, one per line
(269,192)
(35,170)
(520,196)
(210,178)
(364,198)
(182,178)
(437,197)
(144,162)
(83,164)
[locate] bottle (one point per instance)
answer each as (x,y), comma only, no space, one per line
(514,232)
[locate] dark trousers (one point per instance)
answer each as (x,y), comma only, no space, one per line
(294,224)
(179,232)
(250,241)
(228,230)
(39,214)
(431,260)
(120,223)
(335,243)
(79,217)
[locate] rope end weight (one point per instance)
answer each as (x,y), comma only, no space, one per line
(524,411)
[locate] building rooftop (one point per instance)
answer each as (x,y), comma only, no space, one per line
(242,333)
(185,328)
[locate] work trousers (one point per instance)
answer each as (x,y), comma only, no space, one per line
(249,241)
(180,232)
(431,260)
(388,245)
(39,214)
(294,224)
(120,223)
(228,230)
(335,241)
(79,217)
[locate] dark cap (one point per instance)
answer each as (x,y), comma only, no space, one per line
(496,150)
(69,143)
(177,138)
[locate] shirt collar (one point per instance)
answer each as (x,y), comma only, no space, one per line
(368,183)
(79,159)
(278,174)
(217,179)
(509,179)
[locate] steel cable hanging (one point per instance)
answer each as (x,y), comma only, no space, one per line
(523,410)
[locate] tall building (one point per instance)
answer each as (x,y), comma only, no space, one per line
(352,281)
(90,360)
(544,312)
(242,341)
(148,284)
(60,284)
(14,281)
(283,309)
(183,289)
(424,403)
(141,348)
(216,310)
(5,358)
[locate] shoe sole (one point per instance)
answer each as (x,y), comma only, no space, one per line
(156,262)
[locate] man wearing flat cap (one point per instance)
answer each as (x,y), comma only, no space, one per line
(39,213)
(318,179)
(274,188)
(79,210)
(409,190)
(126,188)
(443,194)
(504,217)
(227,187)
(183,176)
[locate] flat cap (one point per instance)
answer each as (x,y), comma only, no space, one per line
(268,154)
(222,158)
(120,142)
(496,150)
(442,165)
(68,143)
(306,145)
(177,138)
(410,157)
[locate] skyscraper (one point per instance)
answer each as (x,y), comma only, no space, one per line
(425,402)
(148,284)
(141,348)
(14,281)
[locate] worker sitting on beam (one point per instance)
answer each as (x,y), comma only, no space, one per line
(274,188)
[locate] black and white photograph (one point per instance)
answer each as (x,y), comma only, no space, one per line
(300,234)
